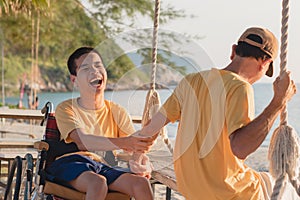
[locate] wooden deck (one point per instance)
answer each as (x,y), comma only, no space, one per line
(17,139)
(163,172)
(21,130)
(20,114)
(16,143)
(9,149)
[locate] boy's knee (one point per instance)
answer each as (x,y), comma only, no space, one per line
(141,182)
(142,188)
(98,182)
(97,187)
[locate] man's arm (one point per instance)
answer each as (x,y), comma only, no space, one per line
(247,139)
(98,143)
(140,163)
(157,122)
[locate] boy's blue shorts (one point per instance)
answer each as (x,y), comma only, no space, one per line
(70,167)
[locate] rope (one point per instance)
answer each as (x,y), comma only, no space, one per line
(152,100)
(284,146)
(279,184)
(155,42)
(283,49)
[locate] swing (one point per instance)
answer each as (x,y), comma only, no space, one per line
(284,145)
(153,102)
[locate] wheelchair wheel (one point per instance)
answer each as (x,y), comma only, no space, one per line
(26,180)
(14,180)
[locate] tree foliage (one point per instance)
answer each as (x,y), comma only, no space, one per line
(64,26)
(115,15)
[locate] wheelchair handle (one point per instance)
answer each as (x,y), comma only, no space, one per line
(46,110)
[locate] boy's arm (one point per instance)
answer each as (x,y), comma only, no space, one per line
(99,143)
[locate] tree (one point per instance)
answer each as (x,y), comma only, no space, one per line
(63,27)
(115,15)
(32,10)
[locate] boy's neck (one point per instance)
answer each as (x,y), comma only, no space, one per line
(91,103)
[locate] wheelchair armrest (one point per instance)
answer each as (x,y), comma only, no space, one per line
(41,145)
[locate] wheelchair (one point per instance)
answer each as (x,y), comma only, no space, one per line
(25,183)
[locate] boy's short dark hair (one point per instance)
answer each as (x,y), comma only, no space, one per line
(76,54)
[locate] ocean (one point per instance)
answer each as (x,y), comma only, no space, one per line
(134,100)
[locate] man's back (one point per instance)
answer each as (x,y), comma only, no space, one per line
(212,105)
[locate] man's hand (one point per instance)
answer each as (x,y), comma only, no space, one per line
(284,89)
(135,144)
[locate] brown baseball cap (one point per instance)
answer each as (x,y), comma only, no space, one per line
(267,44)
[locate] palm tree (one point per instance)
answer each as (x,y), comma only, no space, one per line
(31,9)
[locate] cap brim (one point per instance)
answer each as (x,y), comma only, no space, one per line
(270,70)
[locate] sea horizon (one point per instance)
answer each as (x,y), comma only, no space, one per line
(133,101)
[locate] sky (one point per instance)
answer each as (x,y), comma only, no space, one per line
(220,23)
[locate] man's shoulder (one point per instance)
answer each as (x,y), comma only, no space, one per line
(195,77)
(198,75)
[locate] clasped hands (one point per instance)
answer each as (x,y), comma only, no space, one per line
(140,163)
(137,143)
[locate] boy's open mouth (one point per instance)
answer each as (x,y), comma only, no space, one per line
(96,82)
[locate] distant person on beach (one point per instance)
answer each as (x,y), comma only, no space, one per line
(96,124)
(217,129)
(35,103)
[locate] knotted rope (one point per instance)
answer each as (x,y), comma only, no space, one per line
(284,145)
(152,102)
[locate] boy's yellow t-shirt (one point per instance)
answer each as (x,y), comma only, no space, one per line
(111,120)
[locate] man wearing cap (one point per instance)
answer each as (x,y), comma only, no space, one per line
(217,129)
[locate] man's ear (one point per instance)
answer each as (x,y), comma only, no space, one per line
(233,51)
(267,61)
(265,64)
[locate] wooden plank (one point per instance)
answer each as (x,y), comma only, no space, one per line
(136,119)
(163,171)
(11,153)
(20,113)
(21,129)
(16,143)
(36,114)
(166,179)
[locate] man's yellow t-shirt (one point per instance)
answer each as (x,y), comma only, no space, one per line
(111,120)
(211,105)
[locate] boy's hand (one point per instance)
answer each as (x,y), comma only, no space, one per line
(137,144)
(142,166)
